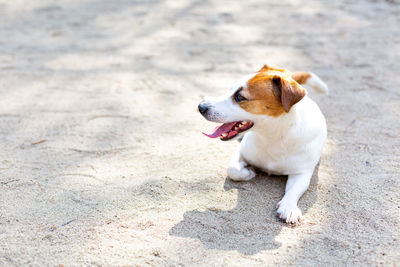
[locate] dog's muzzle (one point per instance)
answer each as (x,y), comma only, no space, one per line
(203,108)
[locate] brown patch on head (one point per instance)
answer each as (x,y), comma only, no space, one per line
(263,97)
(271,92)
(266,68)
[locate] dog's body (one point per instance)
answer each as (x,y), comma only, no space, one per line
(285,130)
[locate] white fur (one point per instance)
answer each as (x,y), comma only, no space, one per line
(290,144)
(317,84)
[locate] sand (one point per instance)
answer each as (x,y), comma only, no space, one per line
(102,160)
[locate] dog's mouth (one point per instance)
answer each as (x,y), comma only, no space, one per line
(229,130)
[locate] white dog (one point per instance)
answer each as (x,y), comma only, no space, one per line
(283,130)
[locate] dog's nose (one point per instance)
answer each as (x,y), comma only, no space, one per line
(203,108)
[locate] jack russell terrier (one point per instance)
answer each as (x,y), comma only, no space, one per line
(283,130)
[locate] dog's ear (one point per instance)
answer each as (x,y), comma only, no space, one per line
(288,92)
(264,68)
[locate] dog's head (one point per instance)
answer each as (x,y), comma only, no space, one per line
(266,95)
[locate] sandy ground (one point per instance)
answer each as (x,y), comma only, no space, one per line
(101,157)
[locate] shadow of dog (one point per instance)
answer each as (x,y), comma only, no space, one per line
(252,225)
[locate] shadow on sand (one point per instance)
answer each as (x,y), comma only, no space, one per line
(252,225)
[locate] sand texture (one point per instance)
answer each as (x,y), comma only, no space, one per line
(102,160)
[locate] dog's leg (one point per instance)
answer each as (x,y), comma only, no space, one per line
(238,170)
(295,187)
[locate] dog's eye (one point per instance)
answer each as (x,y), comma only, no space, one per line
(238,97)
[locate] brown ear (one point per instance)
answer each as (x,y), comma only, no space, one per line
(290,92)
(264,68)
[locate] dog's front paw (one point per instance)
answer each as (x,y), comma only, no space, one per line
(288,212)
(243,174)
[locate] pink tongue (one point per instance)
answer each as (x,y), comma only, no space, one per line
(221,129)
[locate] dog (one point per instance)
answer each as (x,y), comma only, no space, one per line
(283,131)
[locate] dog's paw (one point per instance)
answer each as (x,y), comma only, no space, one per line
(288,212)
(243,174)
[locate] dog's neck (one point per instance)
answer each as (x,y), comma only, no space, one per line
(278,128)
